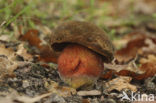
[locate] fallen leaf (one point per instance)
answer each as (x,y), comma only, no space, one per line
(131,66)
(140,44)
(150,58)
(150,70)
(23,52)
(7,61)
(32,37)
(129,69)
(147,69)
(6,67)
(149,66)
(8,52)
(107,74)
(46,53)
(150,49)
(130,51)
(85,101)
(120,83)
(5,37)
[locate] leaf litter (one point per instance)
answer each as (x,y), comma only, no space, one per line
(40,82)
(26,76)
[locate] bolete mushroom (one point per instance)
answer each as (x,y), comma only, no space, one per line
(82,48)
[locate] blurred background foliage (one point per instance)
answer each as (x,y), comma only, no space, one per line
(117,17)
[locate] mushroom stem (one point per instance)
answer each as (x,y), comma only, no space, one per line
(79,65)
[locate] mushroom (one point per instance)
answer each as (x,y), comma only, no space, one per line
(82,48)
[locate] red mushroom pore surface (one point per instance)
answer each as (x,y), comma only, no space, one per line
(79,61)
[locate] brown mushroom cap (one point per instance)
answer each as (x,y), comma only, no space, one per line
(83,33)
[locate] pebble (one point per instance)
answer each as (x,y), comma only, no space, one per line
(89,93)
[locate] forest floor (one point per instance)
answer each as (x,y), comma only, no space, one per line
(28,76)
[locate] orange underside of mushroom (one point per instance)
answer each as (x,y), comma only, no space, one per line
(76,61)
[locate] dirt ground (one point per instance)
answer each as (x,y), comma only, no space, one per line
(28,73)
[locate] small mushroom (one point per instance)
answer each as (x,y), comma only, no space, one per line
(82,48)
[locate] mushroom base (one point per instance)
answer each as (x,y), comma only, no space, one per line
(86,82)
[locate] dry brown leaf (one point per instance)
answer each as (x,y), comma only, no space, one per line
(123,70)
(11,54)
(107,75)
(8,52)
(150,70)
(5,37)
(6,67)
(150,58)
(7,61)
(130,51)
(23,52)
(139,44)
(32,37)
(149,66)
(120,84)
(147,69)
(85,101)
(131,66)
(46,53)
(150,49)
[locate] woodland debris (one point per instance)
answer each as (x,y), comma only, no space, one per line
(140,44)
(14,96)
(6,67)
(120,83)
(23,52)
(61,90)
